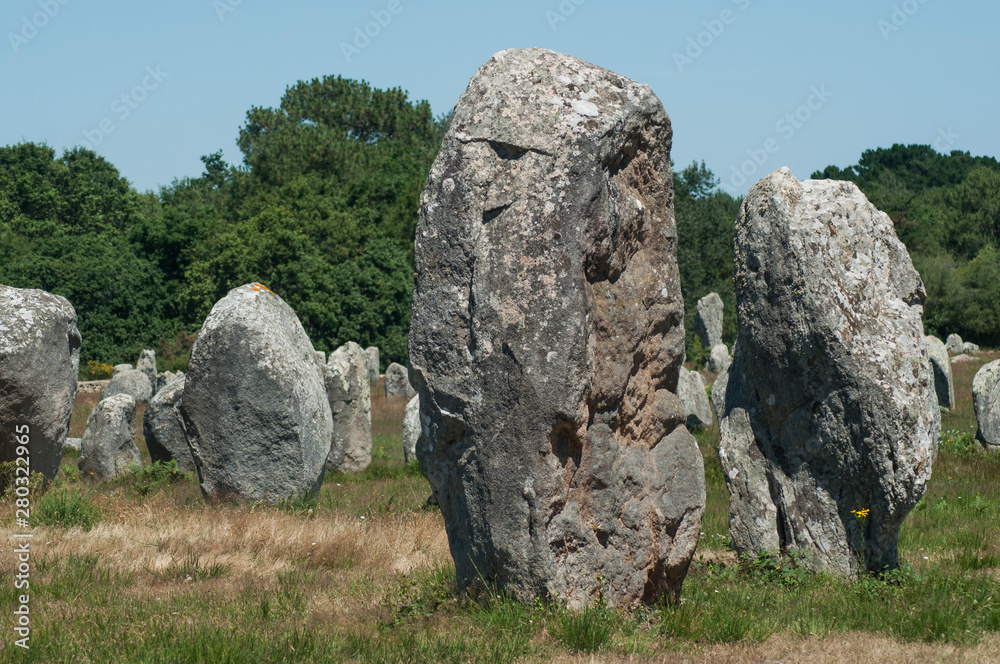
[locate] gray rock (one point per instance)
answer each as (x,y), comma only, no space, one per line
(254,405)
(349,392)
(691,390)
(719,358)
(943,386)
(954,344)
(411,429)
(547,335)
(970,348)
(986,399)
(163,379)
(373,371)
(962,358)
(708,321)
(719,391)
(39,364)
(397,383)
(829,403)
(72,444)
(118,368)
(131,382)
(108,446)
(163,427)
(147,365)
(321,358)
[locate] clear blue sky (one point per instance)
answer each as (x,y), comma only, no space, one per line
(876,72)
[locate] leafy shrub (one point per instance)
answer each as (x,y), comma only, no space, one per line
(95,370)
(62,506)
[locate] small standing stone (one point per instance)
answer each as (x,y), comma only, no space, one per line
(708,320)
(397,383)
(943,386)
(691,390)
(108,446)
(411,429)
(131,382)
(147,365)
(163,427)
(118,368)
(986,399)
(719,358)
(372,353)
(970,348)
(955,345)
(349,391)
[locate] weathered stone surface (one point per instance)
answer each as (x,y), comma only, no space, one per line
(131,382)
(108,446)
(254,404)
(970,348)
(954,344)
(547,335)
(718,359)
(829,403)
(691,390)
(349,391)
(943,386)
(986,399)
(147,365)
(164,378)
(72,444)
(411,429)
(372,353)
(163,427)
(397,383)
(962,358)
(39,363)
(118,368)
(708,321)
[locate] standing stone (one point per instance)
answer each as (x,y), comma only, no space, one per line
(349,392)
(986,399)
(719,358)
(39,364)
(147,365)
(547,337)
(108,446)
(372,353)
(829,401)
(708,321)
(321,359)
(954,345)
(937,352)
(163,427)
(163,379)
(691,390)
(131,382)
(254,404)
(411,429)
(970,348)
(397,383)
(118,368)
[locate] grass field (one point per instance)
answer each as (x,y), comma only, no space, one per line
(142,570)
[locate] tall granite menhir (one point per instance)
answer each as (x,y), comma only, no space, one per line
(829,406)
(547,336)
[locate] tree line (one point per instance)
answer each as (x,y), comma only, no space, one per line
(323,211)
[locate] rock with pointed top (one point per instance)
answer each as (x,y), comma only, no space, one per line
(411,429)
(547,337)
(954,344)
(829,402)
(373,372)
(39,364)
(691,390)
(147,365)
